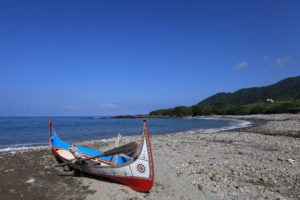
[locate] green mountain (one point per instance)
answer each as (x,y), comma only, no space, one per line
(282,90)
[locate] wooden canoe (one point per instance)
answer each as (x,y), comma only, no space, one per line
(136,173)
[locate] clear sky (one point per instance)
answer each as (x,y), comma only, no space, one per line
(96,57)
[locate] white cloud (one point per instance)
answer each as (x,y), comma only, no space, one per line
(109,105)
(266,58)
(280,62)
(241,65)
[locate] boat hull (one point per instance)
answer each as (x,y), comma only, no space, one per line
(137,173)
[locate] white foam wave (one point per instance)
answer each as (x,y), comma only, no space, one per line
(233,125)
(213,118)
(18,148)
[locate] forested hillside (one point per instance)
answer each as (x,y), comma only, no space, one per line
(283,90)
(285,93)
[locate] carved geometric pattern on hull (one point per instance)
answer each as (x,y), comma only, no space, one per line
(141,168)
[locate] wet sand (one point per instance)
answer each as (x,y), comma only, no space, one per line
(251,163)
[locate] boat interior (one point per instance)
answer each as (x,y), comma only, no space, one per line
(69,156)
(62,148)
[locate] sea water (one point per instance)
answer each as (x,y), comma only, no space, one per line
(18,133)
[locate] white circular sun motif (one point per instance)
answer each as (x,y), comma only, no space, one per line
(141,168)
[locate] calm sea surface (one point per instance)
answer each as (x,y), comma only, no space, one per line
(18,133)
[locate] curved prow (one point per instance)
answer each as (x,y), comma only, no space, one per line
(144,158)
(50,137)
(145,131)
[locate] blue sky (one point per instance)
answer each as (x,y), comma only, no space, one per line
(65,58)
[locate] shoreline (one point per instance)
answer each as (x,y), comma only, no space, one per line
(20,147)
(242,163)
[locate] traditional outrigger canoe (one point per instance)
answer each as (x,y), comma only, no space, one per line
(136,172)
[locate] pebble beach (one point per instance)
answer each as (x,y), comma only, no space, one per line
(257,162)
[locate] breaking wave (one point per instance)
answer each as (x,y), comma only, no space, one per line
(234,124)
(18,147)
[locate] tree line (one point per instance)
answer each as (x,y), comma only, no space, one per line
(291,106)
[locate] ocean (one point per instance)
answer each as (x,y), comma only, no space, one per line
(19,133)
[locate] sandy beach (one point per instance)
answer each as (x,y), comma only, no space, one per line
(258,162)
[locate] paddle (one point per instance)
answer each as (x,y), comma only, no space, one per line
(127,148)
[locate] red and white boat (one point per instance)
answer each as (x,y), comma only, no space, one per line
(135,172)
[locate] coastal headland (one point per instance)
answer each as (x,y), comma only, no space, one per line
(258,162)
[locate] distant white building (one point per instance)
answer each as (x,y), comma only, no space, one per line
(270,100)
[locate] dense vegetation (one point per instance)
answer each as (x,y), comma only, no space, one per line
(285,93)
(291,106)
(283,90)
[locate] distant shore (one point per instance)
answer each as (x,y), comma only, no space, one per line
(142,116)
(248,163)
